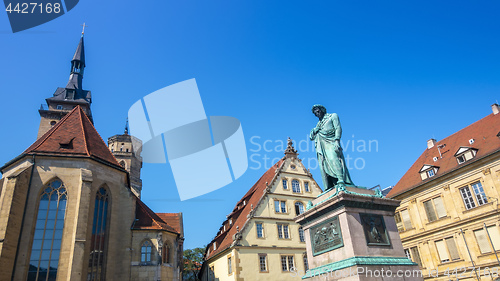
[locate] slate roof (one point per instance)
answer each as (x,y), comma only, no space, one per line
(486,141)
(224,239)
(80,52)
(149,220)
(74,135)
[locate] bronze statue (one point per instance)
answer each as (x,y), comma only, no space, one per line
(326,136)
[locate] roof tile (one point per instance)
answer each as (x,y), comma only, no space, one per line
(486,141)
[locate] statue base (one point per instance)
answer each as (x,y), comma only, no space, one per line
(351,235)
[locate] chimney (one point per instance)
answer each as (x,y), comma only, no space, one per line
(431,143)
(496,108)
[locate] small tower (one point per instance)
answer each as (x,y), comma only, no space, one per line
(67,98)
(122,147)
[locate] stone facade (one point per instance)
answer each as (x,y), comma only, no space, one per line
(70,211)
(449,218)
(253,240)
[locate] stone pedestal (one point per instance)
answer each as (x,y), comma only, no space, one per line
(351,234)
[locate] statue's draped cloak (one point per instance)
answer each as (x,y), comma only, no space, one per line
(331,162)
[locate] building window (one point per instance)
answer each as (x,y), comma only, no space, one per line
(146,251)
(166,253)
(279,206)
(486,239)
(479,195)
(413,255)
(296,186)
(306,187)
(229,266)
(285,184)
(301,234)
(287,263)
(465,154)
(283,231)
(299,208)
(434,209)
(211,274)
(49,227)
(97,255)
(260,230)
(306,264)
(447,250)
(59,107)
(403,220)
(428,171)
(263,263)
(52,123)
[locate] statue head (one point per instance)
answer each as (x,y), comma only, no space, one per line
(319,110)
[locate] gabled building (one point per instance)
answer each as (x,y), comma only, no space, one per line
(259,239)
(449,213)
(70,211)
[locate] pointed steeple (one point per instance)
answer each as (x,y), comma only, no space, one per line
(126,128)
(77,67)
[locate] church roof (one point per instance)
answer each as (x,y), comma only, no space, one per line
(172,219)
(149,220)
(482,135)
(238,216)
(74,135)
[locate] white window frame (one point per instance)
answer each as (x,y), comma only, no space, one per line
(296,186)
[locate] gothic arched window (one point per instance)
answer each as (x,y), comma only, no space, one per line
(146,251)
(166,253)
(97,257)
(49,226)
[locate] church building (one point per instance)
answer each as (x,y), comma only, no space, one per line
(70,205)
(259,240)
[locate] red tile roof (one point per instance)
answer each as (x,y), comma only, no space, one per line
(74,135)
(224,239)
(172,219)
(486,141)
(147,219)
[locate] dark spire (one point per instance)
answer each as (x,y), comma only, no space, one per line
(77,66)
(126,127)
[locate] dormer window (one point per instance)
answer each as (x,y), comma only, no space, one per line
(465,154)
(428,171)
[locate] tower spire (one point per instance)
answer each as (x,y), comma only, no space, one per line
(77,66)
(126,127)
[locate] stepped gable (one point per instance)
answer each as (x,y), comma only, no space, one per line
(74,135)
(147,219)
(486,135)
(224,239)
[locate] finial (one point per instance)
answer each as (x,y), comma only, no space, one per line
(289,148)
(83,29)
(126,127)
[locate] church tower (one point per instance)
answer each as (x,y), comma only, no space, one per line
(127,150)
(67,98)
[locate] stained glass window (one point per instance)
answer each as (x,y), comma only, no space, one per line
(49,227)
(97,257)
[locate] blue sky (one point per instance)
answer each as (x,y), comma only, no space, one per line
(397,72)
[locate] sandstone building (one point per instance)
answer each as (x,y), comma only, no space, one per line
(449,215)
(70,205)
(259,239)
